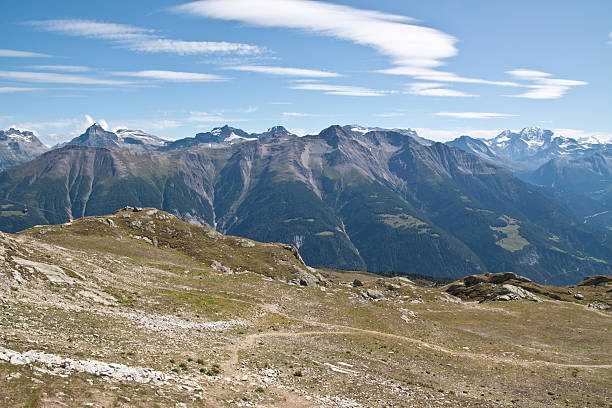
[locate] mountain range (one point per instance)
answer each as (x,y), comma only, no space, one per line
(527,150)
(378,200)
(18,146)
(577,174)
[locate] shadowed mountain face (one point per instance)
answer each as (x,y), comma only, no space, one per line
(18,147)
(381,201)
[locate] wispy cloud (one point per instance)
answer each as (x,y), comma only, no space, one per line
(389,114)
(610,42)
(21,54)
(444,135)
(149,125)
(545,86)
(414,50)
(141,39)
(435,89)
(64,68)
(50,77)
(173,76)
(427,74)
(406,44)
(210,117)
(59,130)
(297,114)
(474,115)
(11,89)
(340,89)
(284,71)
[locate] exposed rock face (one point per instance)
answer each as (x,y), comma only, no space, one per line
(511,292)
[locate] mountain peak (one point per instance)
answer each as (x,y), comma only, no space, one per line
(278,129)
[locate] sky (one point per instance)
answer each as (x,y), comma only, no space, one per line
(442,67)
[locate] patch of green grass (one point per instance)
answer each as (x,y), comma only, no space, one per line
(513,241)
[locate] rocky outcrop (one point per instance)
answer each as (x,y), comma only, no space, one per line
(115,371)
(503,286)
(596,280)
(511,292)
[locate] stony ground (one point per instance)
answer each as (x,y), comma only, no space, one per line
(140,309)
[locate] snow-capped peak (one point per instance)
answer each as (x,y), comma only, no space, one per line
(19,135)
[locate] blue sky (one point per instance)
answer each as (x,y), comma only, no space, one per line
(173,68)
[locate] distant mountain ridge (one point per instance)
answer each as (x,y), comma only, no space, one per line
(17,146)
(528,149)
(380,200)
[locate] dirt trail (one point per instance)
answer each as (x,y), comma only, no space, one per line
(335,329)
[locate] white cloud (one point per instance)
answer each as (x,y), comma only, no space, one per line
(474,115)
(389,114)
(391,35)
(444,135)
(297,114)
(210,117)
(59,130)
(49,77)
(545,86)
(435,89)
(173,76)
(141,39)
(584,134)
(194,47)
(11,89)
(340,89)
(21,54)
(66,68)
(426,74)
(148,125)
(283,71)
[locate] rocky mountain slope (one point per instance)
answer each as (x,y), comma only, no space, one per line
(379,201)
(138,308)
(18,147)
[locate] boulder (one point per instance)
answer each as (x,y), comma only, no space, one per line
(217,266)
(579,296)
(304,278)
(357,283)
(598,306)
(374,294)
